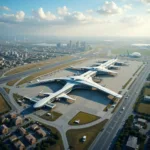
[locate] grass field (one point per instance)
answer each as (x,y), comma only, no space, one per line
(16,96)
(34,65)
(7,90)
(144,108)
(83,117)
(124,86)
(116,106)
(107,107)
(74,136)
(54,116)
(4,107)
(35,75)
(131,83)
(137,70)
(59,144)
(147,91)
(12,82)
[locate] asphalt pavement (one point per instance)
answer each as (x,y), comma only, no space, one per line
(34,70)
(105,138)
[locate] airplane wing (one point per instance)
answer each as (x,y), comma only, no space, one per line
(108,63)
(31,99)
(107,71)
(113,67)
(63,95)
(101,88)
(122,63)
(80,68)
(50,80)
(51,105)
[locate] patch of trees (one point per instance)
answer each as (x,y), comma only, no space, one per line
(127,131)
(3,146)
(148,78)
(46,144)
(139,99)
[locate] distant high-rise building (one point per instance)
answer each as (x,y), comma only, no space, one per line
(77,45)
(58,45)
(83,45)
(70,44)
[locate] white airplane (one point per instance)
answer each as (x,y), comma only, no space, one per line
(71,83)
(102,68)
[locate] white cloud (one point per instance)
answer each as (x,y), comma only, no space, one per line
(90,11)
(20,16)
(110,8)
(4,8)
(77,17)
(41,15)
(74,17)
(148,10)
(127,7)
(146,1)
(63,11)
(13,18)
(133,20)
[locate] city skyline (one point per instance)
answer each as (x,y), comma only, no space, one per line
(71,18)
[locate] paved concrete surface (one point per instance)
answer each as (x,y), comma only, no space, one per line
(84,103)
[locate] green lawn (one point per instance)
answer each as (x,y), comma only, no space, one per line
(144,108)
(7,89)
(124,86)
(74,136)
(54,116)
(4,107)
(34,65)
(12,82)
(137,70)
(35,75)
(147,91)
(59,145)
(83,117)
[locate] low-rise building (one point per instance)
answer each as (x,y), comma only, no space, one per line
(147,98)
(13,138)
(30,138)
(2,119)
(18,120)
(137,126)
(132,143)
(13,115)
(35,127)
(22,131)
(3,129)
(41,132)
(19,145)
(141,121)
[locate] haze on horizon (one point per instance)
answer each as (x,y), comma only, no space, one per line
(84,18)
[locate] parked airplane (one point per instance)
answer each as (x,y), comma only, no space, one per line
(71,83)
(103,68)
(134,54)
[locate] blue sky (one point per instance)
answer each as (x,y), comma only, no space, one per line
(63,17)
(52,5)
